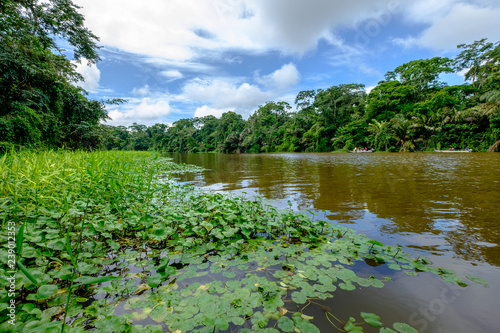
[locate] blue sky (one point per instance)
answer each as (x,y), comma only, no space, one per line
(183,58)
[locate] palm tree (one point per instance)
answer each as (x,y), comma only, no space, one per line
(402,132)
(381,133)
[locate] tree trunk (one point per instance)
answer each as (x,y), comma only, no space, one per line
(495,147)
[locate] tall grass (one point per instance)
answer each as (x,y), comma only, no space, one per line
(63,200)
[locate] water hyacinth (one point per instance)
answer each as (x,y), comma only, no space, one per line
(106,242)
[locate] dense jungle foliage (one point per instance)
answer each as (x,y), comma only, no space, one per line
(411,110)
(40,105)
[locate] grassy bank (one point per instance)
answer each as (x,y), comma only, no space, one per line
(106,241)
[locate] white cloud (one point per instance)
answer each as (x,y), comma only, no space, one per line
(369,88)
(91,75)
(146,111)
(282,79)
(220,94)
(182,30)
(205,110)
(452,23)
(241,97)
(142,91)
(172,74)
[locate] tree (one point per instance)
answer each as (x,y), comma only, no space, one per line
(402,132)
(266,127)
(381,134)
(336,106)
(388,99)
(423,74)
(475,60)
(230,125)
(39,103)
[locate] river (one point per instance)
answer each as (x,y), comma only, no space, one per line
(444,206)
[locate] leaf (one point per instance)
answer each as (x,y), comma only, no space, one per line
(286,324)
(221,323)
(229,275)
(375,242)
(56,244)
(155,280)
(371,319)
(28,274)
(452,278)
(46,291)
(404,328)
(238,321)
(19,240)
(68,247)
(350,327)
(347,286)
(476,279)
(86,280)
(299,297)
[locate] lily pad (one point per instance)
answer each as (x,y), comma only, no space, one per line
(371,319)
(477,279)
(286,324)
(404,328)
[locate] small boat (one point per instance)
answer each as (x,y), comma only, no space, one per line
(453,151)
(361,151)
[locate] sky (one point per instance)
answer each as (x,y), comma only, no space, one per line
(174,59)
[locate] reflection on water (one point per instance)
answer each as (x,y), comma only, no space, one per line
(451,200)
(444,206)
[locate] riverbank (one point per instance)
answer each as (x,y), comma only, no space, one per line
(106,241)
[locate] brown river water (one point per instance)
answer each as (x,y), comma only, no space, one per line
(445,206)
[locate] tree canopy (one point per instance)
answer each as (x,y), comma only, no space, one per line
(41,106)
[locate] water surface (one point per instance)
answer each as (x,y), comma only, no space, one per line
(442,206)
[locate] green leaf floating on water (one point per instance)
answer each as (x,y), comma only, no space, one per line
(404,328)
(371,319)
(476,279)
(286,324)
(221,323)
(155,280)
(299,297)
(351,327)
(375,242)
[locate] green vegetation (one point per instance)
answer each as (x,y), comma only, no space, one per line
(40,106)
(411,110)
(106,241)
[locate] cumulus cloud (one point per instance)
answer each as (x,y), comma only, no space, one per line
(145,110)
(452,23)
(205,110)
(181,30)
(282,79)
(241,97)
(91,75)
(224,95)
